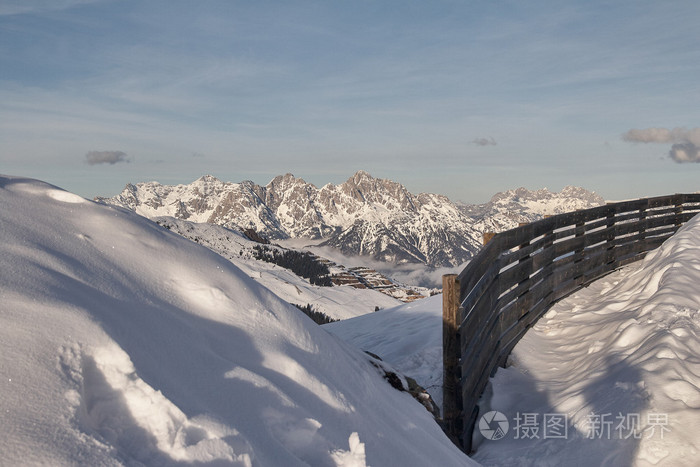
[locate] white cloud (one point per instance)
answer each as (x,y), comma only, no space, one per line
(663,135)
(484,142)
(106,157)
(685,143)
(17,7)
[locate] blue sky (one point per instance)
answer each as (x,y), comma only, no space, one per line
(463,98)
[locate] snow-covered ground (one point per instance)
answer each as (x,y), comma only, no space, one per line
(609,376)
(124,344)
(408,336)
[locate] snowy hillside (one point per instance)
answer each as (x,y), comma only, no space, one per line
(337,302)
(409,337)
(122,343)
(617,363)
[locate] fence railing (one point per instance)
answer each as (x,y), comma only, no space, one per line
(521,273)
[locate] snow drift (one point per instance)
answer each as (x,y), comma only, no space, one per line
(620,360)
(122,343)
(409,337)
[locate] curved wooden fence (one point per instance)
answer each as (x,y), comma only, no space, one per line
(522,272)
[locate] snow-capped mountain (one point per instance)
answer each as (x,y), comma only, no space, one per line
(362,216)
(507,209)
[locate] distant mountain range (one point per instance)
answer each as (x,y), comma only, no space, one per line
(508,209)
(362,216)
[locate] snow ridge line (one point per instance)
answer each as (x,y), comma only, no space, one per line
(522,272)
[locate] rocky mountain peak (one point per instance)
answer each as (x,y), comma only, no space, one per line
(581,193)
(364,188)
(361,176)
(208,179)
(285,180)
(358,185)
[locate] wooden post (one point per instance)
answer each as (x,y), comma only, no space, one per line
(679,210)
(579,275)
(488,236)
(451,385)
(610,224)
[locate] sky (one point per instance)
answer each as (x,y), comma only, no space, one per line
(461,98)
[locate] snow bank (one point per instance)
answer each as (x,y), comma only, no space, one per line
(620,361)
(122,343)
(409,337)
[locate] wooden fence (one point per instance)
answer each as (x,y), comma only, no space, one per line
(521,273)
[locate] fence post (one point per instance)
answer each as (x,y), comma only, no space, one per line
(679,210)
(451,387)
(580,231)
(487,236)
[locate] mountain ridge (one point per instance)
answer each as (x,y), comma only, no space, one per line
(364,215)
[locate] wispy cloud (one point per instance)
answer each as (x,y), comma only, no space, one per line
(485,141)
(106,157)
(685,143)
(17,7)
(663,135)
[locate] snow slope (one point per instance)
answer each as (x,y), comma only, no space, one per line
(124,344)
(618,361)
(336,302)
(409,337)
